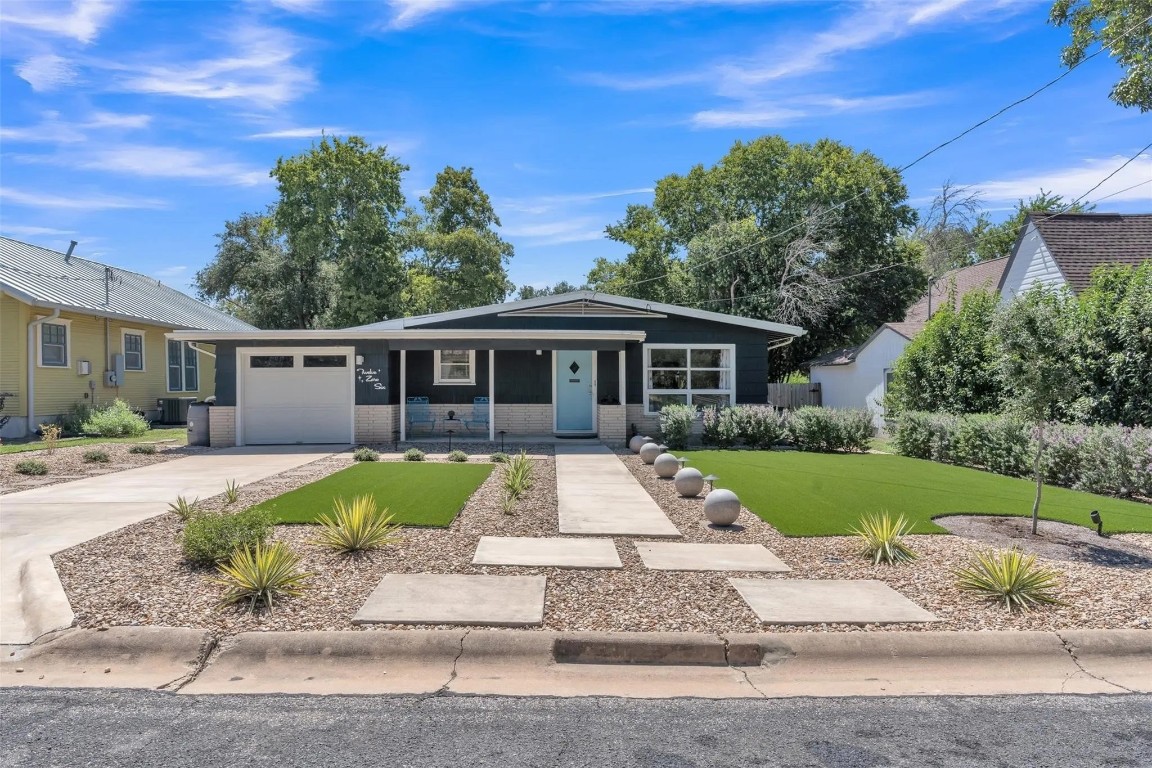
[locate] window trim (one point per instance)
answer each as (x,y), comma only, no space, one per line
(143,349)
(185,350)
(67,342)
(437,380)
(688,391)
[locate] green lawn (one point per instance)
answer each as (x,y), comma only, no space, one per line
(179,434)
(817,494)
(415,493)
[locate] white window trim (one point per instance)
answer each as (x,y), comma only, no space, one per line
(67,342)
(438,381)
(143,349)
(688,391)
(185,350)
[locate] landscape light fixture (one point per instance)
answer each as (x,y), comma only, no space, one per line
(450,440)
(502,440)
(682,461)
(710,479)
(1098,521)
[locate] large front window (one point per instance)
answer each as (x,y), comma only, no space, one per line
(455,366)
(183,367)
(695,374)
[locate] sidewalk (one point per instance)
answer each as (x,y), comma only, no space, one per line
(37,523)
(598,496)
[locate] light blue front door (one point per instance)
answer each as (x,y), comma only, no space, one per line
(575,391)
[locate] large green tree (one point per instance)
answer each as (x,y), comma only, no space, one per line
(1123,28)
(995,240)
(532,292)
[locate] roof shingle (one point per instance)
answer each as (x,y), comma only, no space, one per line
(1080,242)
(986,275)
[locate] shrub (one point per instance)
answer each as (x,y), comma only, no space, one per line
(50,436)
(828,429)
(31,467)
(882,539)
(97,456)
(357,526)
(183,508)
(365,454)
(213,538)
(413,454)
(146,449)
(924,435)
(73,421)
(115,420)
(759,426)
(1009,577)
(231,492)
(1000,444)
(499,458)
(676,425)
(261,574)
(458,456)
(716,427)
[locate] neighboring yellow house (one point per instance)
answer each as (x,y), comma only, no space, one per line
(77,331)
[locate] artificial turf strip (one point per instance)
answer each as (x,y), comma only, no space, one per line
(818,494)
(426,493)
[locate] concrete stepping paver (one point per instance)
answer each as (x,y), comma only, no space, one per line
(557,552)
(682,556)
(828,601)
(598,496)
(453,598)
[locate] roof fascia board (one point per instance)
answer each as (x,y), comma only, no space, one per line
(405,333)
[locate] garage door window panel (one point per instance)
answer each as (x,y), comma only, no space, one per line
(325,361)
(272,361)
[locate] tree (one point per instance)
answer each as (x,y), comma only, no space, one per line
(1037,341)
(650,271)
(340,204)
(947,229)
(531,292)
(995,240)
(951,365)
(1123,28)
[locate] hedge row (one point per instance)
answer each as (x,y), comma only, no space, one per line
(761,426)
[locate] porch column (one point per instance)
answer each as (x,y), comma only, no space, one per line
(492,395)
(403,395)
(623,383)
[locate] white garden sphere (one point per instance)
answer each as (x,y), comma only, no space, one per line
(721,507)
(689,482)
(638,441)
(649,452)
(666,465)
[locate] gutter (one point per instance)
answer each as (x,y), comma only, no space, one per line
(30,400)
(195,346)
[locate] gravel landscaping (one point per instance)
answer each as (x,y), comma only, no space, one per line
(66,464)
(137,576)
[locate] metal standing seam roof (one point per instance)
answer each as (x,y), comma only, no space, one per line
(43,277)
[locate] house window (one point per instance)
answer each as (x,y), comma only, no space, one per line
(183,367)
(688,374)
(455,366)
(272,361)
(54,345)
(133,346)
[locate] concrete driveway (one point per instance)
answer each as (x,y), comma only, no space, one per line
(38,523)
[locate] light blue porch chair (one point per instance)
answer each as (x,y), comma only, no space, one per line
(479,415)
(417,411)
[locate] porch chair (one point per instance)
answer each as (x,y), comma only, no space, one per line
(479,415)
(418,411)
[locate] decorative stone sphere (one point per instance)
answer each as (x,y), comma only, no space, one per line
(649,452)
(638,441)
(666,465)
(689,482)
(721,507)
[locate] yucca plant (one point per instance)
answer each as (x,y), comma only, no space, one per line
(231,492)
(261,574)
(882,539)
(518,475)
(357,526)
(183,508)
(1010,577)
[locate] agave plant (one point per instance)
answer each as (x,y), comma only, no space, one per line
(518,475)
(183,508)
(231,492)
(1010,577)
(261,575)
(882,539)
(357,526)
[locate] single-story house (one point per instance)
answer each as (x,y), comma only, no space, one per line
(575,364)
(78,331)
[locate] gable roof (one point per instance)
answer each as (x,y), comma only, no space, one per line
(957,282)
(848,355)
(587,304)
(45,278)
(1080,242)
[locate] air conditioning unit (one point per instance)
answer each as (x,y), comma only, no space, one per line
(174,410)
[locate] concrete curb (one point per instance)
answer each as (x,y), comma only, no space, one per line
(675,648)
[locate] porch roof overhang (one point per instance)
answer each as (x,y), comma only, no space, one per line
(429,338)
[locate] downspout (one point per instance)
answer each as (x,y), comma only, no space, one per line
(31,399)
(192,344)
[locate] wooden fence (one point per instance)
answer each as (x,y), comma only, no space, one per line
(793,395)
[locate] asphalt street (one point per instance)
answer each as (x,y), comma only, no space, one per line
(55,727)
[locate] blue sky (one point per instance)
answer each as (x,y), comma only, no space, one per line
(138,128)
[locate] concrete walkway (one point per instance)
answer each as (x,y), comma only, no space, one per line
(38,523)
(598,496)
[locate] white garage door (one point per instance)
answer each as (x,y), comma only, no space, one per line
(296,396)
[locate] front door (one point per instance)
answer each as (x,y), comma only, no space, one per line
(575,391)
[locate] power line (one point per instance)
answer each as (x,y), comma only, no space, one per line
(53,277)
(1122,191)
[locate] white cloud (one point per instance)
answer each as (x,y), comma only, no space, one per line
(298,133)
(1073,181)
(56,131)
(170,273)
(89,203)
(46,72)
(25,231)
(82,21)
(546,203)
(788,111)
(162,162)
(298,6)
(408,13)
(578,230)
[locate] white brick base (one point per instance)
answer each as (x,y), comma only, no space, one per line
(222,426)
(375,423)
(612,427)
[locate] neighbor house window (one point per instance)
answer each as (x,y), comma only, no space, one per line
(54,345)
(455,366)
(183,367)
(688,374)
(133,345)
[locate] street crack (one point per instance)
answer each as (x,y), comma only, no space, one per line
(741,670)
(1072,654)
(443,689)
(207,648)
